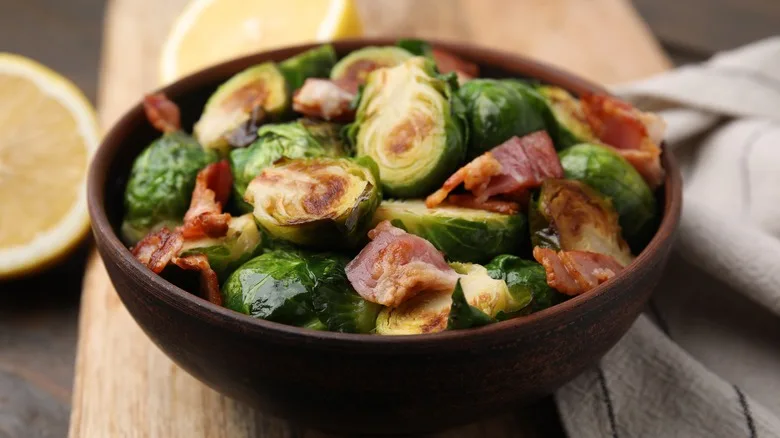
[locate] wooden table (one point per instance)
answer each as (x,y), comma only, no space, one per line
(38,315)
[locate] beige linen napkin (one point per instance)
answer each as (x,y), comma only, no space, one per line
(706,361)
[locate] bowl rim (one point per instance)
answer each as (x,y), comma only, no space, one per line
(204,310)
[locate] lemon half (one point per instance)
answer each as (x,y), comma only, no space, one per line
(48,133)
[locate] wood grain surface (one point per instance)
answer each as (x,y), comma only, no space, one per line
(124,386)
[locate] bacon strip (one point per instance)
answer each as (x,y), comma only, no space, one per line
(209,284)
(157,249)
(326,99)
(447,62)
(634,134)
(396,266)
(576,272)
(512,168)
(163,114)
(204,218)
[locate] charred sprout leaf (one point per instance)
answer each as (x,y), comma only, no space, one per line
(409,122)
(317,202)
(242,242)
(580,217)
(313,63)
(300,139)
(463,315)
(462,234)
(568,125)
(416,47)
(234,103)
(527,282)
(357,65)
(497,110)
(160,185)
(611,175)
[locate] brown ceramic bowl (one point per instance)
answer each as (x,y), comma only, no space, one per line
(362,383)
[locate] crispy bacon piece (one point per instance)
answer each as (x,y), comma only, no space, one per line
(157,249)
(494,205)
(325,99)
(209,284)
(519,164)
(576,272)
(634,134)
(395,266)
(204,218)
(162,113)
(447,62)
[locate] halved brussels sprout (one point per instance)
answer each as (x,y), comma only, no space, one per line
(527,283)
(318,202)
(462,234)
(429,312)
(569,125)
(299,288)
(570,215)
(358,64)
(463,315)
(160,185)
(411,124)
(242,242)
(300,139)
(256,92)
(313,63)
(606,171)
(496,111)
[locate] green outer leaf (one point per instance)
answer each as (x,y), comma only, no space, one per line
(298,139)
(313,63)
(496,110)
(463,315)
(614,177)
(160,185)
(449,150)
(527,282)
(300,288)
(415,47)
(462,234)
(542,234)
(561,125)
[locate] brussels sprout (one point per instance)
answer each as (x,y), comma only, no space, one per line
(253,93)
(463,315)
(412,125)
(415,47)
(569,215)
(313,63)
(527,282)
(242,242)
(160,185)
(462,234)
(606,171)
(300,139)
(359,63)
(318,202)
(497,110)
(429,312)
(568,125)
(298,288)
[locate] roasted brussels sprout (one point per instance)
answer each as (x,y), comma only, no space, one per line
(429,312)
(313,63)
(300,139)
(570,215)
(496,111)
(242,242)
(415,47)
(463,315)
(160,185)
(257,94)
(357,65)
(299,288)
(527,283)
(610,174)
(568,125)
(411,123)
(462,234)
(318,202)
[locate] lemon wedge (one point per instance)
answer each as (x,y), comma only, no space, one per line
(210,31)
(48,133)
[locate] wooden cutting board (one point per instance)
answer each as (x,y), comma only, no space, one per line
(124,385)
